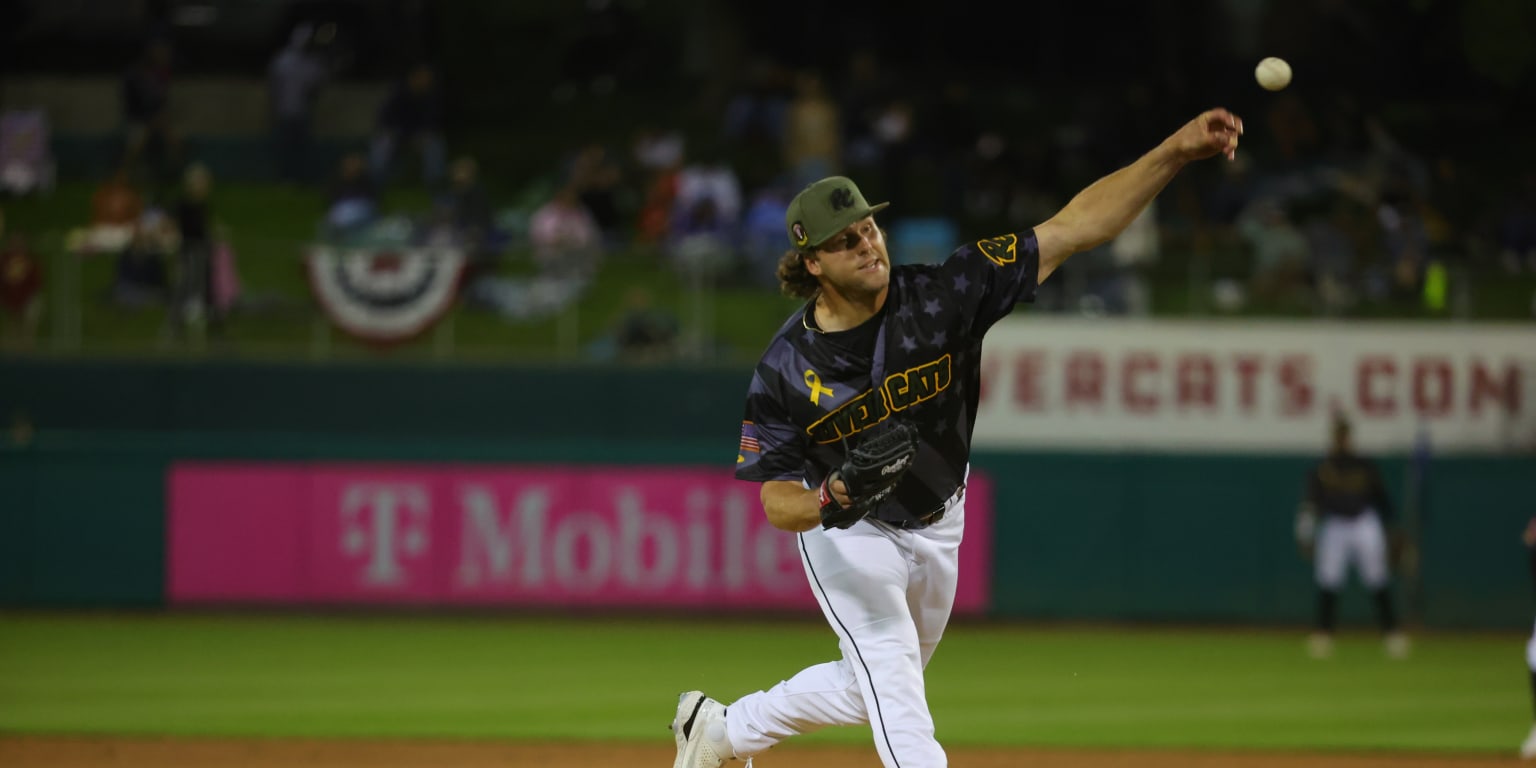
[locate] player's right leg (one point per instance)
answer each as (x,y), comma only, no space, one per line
(1330,560)
(1528,749)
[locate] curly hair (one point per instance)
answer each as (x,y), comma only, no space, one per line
(795,281)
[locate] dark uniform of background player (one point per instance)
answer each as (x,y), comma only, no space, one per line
(1347,519)
(872,345)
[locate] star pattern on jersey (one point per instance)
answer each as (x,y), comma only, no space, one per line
(961,283)
(810,335)
(931,308)
(908,343)
(939,337)
(921,280)
(905,312)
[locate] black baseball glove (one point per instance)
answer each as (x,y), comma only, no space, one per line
(870,471)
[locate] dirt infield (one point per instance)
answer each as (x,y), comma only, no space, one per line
(82,752)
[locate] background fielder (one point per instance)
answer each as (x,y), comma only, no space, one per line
(1344,523)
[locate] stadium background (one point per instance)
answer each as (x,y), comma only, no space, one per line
(1139,601)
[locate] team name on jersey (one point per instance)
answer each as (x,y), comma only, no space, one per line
(898,392)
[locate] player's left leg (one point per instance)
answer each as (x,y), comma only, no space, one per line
(1376,575)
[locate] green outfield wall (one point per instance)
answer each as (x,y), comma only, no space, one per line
(1079,536)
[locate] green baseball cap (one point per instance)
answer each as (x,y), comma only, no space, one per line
(824,209)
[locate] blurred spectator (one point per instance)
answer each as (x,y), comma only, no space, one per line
(565,238)
(1405,241)
(1515,227)
(466,218)
(954,139)
(1329,223)
(599,180)
(1133,254)
(655,154)
(656,149)
(644,333)
(895,134)
(862,91)
(662,169)
(602,53)
(141,276)
(706,215)
(294,78)
(762,236)
(352,202)
(1281,259)
(26,154)
(151,142)
(754,121)
(194,307)
(116,205)
(21,289)
(1296,140)
(812,131)
(567,250)
(1461,215)
(1230,193)
(411,118)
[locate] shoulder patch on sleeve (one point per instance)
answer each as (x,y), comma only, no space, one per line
(1001,250)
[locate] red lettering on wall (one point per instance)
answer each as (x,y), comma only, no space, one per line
(1027,371)
(1247,380)
(1373,386)
(987,374)
(1085,378)
(1485,386)
(1432,386)
(1197,381)
(1138,399)
(1296,389)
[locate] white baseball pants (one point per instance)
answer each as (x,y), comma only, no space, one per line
(887,593)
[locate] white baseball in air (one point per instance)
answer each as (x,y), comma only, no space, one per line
(1273,73)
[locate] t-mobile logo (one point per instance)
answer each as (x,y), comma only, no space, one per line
(383,523)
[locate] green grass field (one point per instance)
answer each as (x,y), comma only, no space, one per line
(484,677)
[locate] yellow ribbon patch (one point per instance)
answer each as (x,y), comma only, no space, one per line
(813,381)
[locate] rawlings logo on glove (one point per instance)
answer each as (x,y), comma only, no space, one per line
(870,472)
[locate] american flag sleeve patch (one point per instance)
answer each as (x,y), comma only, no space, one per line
(749,438)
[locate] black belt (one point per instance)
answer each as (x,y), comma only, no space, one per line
(911,524)
(921,522)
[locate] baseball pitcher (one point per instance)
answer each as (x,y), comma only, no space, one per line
(858,425)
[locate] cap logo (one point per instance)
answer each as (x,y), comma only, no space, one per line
(841,198)
(801,238)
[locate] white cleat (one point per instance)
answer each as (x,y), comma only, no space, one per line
(1397,645)
(699,728)
(1528,749)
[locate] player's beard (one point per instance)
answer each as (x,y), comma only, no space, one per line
(864,280)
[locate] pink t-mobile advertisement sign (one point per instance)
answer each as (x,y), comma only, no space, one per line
(497,535)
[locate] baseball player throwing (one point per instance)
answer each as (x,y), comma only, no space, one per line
(858,426)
